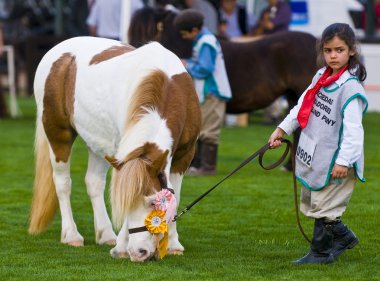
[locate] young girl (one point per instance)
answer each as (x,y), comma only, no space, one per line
(330,154)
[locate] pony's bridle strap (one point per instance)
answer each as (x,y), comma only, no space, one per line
(137,229)
(163,183)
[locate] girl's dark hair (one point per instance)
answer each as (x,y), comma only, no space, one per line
(345,33)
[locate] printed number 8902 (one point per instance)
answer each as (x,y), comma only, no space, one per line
(303,156)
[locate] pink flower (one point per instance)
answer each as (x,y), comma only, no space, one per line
(166,201)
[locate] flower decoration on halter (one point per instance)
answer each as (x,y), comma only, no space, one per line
(166,201)
(156,224)
(157,220)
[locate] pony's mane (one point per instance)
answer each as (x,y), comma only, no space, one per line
(136,175)
(147,96)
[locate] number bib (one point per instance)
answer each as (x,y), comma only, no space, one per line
(305,150)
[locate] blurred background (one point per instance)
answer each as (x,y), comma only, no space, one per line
(31,27)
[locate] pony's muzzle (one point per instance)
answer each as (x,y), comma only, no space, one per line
(141,255)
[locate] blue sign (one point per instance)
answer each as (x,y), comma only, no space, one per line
(300,14)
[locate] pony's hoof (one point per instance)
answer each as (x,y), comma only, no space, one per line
(105,237)
(111,242)
(78,243)
(175,248)
(118,255)
(175,252)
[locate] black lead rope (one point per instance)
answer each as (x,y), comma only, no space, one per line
(259,153)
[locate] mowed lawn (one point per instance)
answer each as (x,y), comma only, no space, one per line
(244,230)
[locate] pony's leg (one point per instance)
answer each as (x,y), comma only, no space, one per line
(62,182)
(96,182)
(120,250)
(174,246)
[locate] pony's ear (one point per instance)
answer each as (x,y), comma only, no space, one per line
(158,164)
(156,158)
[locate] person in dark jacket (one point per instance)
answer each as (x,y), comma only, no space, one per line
(274,18)
(234,19)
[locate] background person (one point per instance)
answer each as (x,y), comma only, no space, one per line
(211,83)
(3,105)
(330,155)
(104,19)
(208,10)
(235,21)
(274,18)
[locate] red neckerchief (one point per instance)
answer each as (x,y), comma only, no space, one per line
(308,100)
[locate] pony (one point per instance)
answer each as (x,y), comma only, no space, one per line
(259,71)
(135,109)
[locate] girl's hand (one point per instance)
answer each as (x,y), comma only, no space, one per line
(274,139)
(339,172)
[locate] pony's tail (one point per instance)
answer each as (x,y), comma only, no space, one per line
(44,202)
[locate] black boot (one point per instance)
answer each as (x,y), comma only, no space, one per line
(344,238)
(321,245)
(196,162)
(3,104)
(209,154)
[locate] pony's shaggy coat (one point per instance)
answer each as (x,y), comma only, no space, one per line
(154,131)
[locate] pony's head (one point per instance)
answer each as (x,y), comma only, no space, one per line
(149,24)
(134,187)
(142,169)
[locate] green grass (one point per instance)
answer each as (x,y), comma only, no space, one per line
(244,230)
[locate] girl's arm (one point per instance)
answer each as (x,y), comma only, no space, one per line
(352,139)
(288,125)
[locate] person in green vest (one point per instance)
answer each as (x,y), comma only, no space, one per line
(209,74)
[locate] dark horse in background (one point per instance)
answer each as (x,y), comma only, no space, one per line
(259,71)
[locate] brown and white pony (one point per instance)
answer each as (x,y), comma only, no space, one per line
(135,109)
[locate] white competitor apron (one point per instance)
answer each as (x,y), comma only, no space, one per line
(320,141)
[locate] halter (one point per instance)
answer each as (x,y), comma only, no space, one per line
(157,220)
(161,178)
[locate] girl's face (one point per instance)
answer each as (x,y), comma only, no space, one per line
(336,53)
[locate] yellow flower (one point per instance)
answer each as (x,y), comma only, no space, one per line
(155,222)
